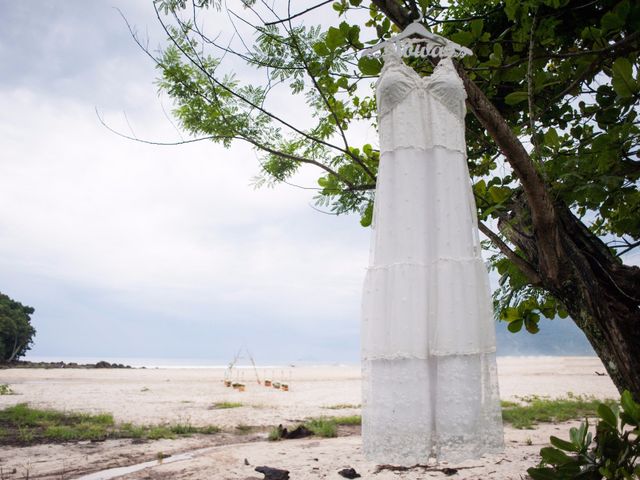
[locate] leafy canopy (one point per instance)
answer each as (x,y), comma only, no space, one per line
(563,74)
(16,331)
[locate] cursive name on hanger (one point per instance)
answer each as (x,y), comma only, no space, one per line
(420,48)
(417,41)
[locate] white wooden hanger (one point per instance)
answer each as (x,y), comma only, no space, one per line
(436,45)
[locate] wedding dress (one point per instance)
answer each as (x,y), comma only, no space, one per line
(430,387)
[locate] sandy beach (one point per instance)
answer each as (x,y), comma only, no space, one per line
(184,395)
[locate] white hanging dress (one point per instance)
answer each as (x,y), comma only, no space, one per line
(430,388)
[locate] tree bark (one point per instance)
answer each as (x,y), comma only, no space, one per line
(601,294)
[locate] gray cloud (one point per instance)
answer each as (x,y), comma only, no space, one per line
(128,249)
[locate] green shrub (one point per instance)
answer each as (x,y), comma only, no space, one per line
(613,453)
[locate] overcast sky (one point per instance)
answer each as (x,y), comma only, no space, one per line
(132,250)
(127,249)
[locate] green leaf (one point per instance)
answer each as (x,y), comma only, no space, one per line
(630,407)
(516,97)
(515,326)
(611,21)
(511,314)
(462,38)
(606,414)
(622,81)
(499,194)
(321,49)
(554,456)
(511,8)
(367,215)
(476,27)
(542,473)
(563,444)
(497,50)
(335,38)
(369,65)
(531,326)
(551,137)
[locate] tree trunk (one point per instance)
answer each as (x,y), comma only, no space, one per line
(601,294)
(16,347)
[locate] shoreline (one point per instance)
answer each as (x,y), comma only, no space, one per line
(189,396)
(27,364)
(189,364)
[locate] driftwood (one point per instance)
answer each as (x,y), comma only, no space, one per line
(299,432)
(349,473)
(426,468)
(273,473)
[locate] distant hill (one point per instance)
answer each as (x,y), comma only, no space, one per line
(556,337)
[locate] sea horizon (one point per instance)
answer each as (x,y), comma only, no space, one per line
(206,363)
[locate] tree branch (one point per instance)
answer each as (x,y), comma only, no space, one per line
(327,104)
(299,14)
(524,266)
(232,92)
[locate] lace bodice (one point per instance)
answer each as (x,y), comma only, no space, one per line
(420,112)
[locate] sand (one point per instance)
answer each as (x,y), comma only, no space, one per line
(153,396)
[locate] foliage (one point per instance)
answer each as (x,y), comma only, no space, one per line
(563,73)
(5,389)
(350,420)
(322,427)
(535,409)
(16,331)
(613,453)
(275,434)
(24,424)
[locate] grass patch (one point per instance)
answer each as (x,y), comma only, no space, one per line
(81,431)
(223,405)
(158,432)
(23,415)
(21,424)
(350,420)
(322,427)
(535,409)
(341,406)
(6,389)
(129,430)
(275,434)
